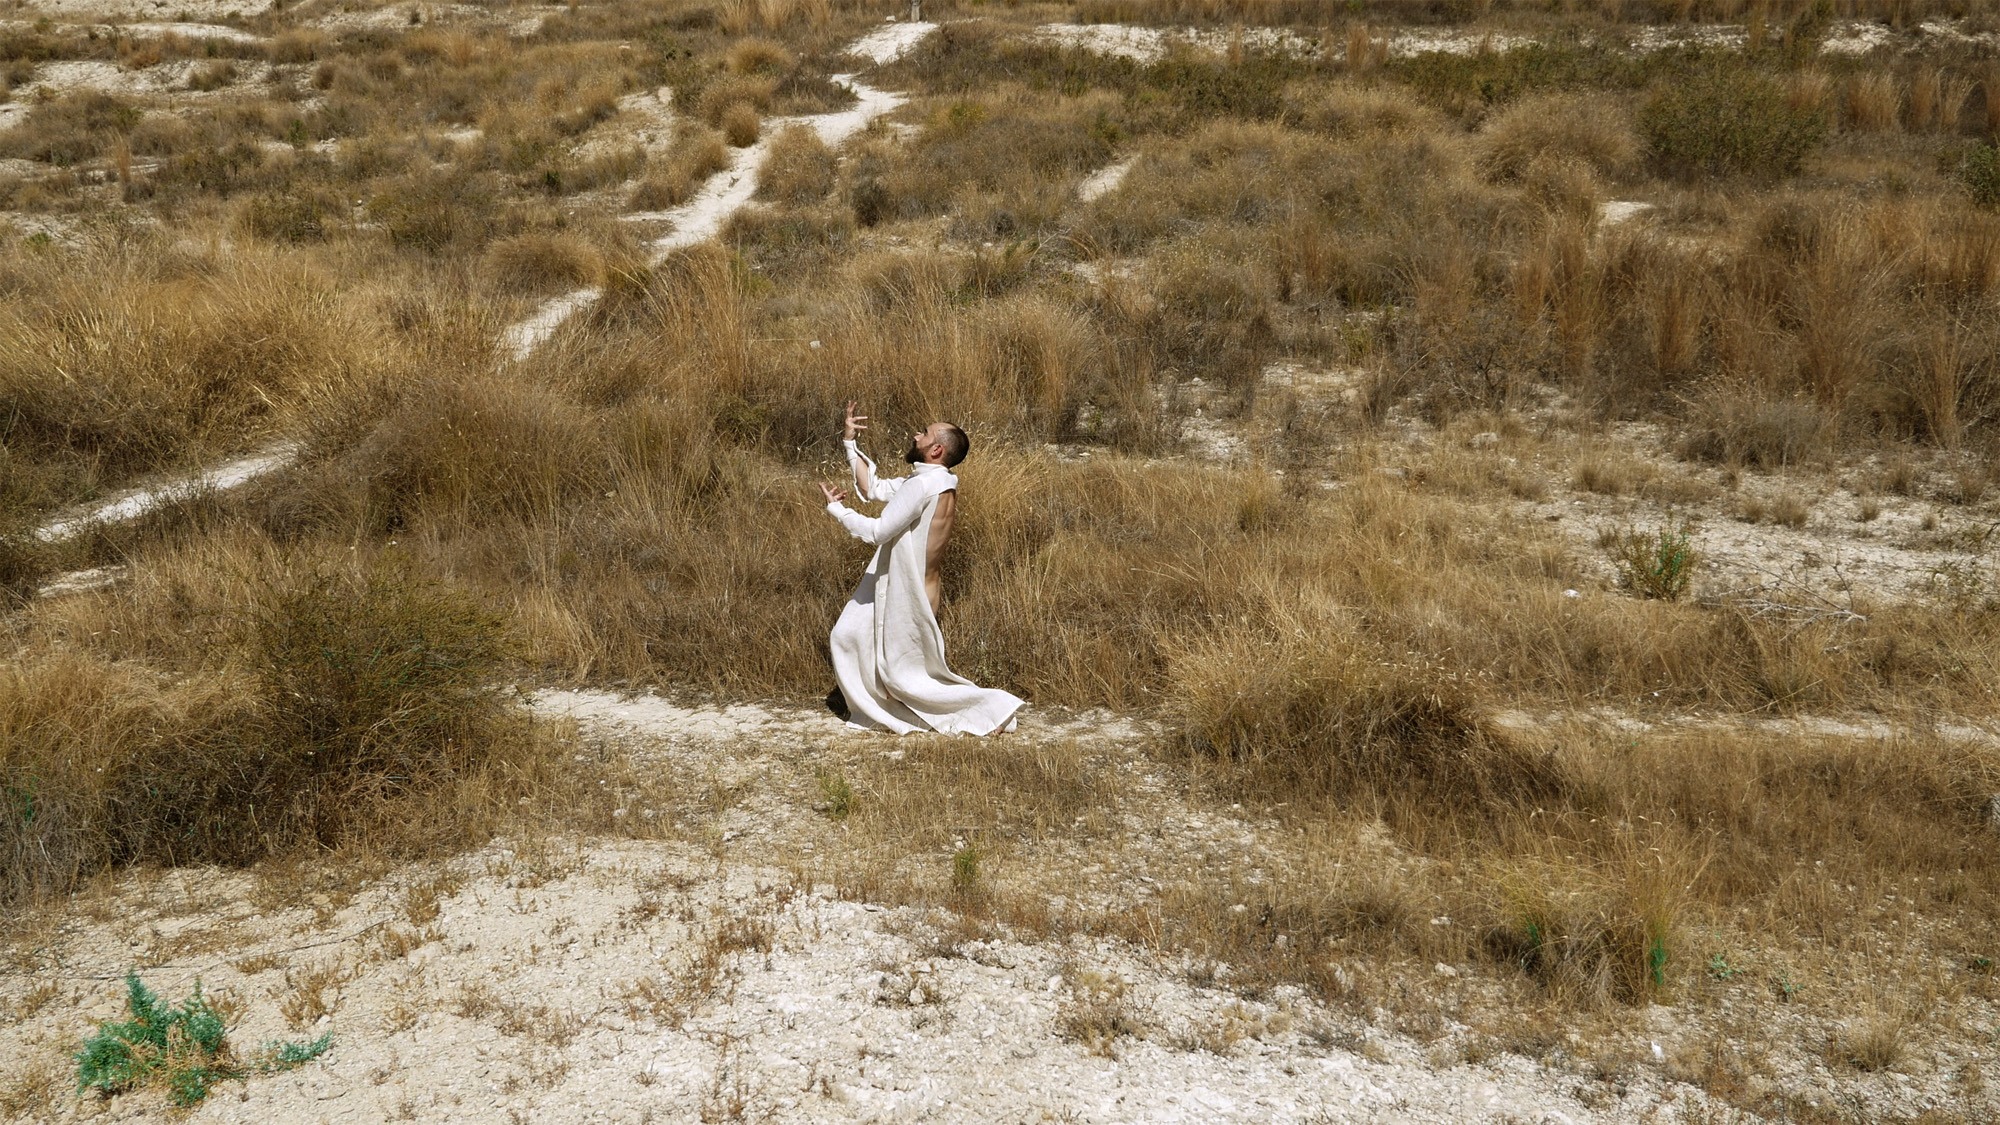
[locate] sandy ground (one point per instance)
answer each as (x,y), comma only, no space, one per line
(87,11)
(703,977)
(1146,44)
(137,502)
(710,971)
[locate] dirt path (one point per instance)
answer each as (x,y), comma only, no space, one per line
(730,190)
(132,504)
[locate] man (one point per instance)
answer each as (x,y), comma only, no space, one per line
(888,652)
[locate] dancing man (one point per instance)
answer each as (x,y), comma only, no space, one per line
(888,653)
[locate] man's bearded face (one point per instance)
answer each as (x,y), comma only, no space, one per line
(912,454)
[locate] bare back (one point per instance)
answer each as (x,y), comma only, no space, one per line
(947,506)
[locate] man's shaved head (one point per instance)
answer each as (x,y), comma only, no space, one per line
(956,444)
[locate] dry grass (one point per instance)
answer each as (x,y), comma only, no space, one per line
(541,263)
(697,155)
(636,496)
(1592,131)
(740,125)
(798,167)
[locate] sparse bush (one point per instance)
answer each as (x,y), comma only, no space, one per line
(159,369)
(1728,122)
(759,56)
(72,128)
(1869,1042)
(184,1048)
(24,563)
(1871,101)
(1097,1013)
(370,686)
(836,795)
(213,75)
(1594,932)
(784,241)
(965,875)
(299,45)
(434,212)
(1765,433)
(1346,110)
(1659,565)
(1788,510)
(1978,172)
(306,214)
(723,94)
(1320,718)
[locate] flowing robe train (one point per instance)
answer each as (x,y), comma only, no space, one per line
(888,652)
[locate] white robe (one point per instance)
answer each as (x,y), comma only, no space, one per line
(888,652)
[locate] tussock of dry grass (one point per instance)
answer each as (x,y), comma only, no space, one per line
(798,167)
(697,155)
(1592,131)
(325,704)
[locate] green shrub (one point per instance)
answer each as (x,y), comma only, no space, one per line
(1722,121)
(1459,81)
(23,565)
(1979,174)
(1659,565)
(372,685)
(185,1048)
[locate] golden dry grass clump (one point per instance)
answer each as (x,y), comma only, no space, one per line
(162,358)
(698,153)
(1587,130)
(798,167)
(535,263)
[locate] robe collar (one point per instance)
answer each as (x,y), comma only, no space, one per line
(927,467)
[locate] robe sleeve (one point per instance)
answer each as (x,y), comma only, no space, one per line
(883,489)
(902,513)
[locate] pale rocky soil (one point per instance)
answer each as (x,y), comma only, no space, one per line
(708,968)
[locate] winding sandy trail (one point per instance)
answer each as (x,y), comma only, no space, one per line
(730,190)
(137,502)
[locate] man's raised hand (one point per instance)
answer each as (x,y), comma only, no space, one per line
(854,422)
(834,495)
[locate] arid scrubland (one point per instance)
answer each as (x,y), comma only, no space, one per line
(1338,443)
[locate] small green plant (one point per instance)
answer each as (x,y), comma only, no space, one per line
(1978,173)
(965,871)
(185,1047)
(1658,565)
(1785,987)
(1719,968)
(835,794)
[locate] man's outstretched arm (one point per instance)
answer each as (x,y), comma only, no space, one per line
(901,515)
